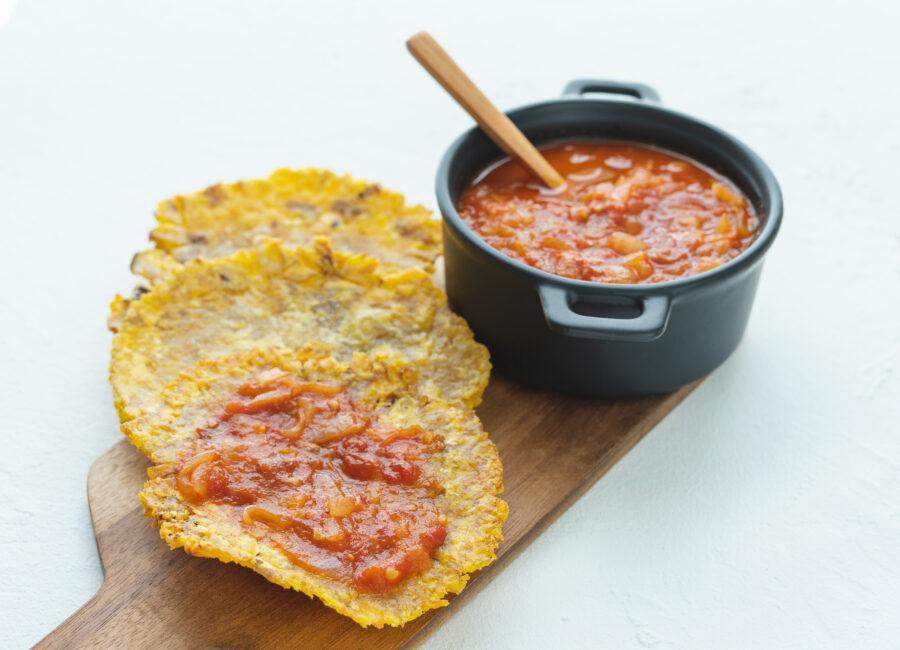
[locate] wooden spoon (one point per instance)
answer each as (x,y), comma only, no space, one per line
(499,128)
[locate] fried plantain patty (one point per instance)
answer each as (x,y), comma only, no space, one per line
(278,296)
(468,468)
(294,206)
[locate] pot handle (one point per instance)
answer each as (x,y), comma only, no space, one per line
(649,325)
(643,92)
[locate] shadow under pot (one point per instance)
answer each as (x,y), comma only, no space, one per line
(590,338)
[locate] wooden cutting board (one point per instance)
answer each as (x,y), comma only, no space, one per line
(553,449)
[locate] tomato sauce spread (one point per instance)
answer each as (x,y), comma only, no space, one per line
(627,214)
(308,469)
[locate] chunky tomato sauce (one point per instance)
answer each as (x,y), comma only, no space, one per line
(311,471)
(628,214)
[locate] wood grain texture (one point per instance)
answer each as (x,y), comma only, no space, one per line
(497,125)
(553,449)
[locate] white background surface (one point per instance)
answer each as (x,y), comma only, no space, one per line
(764,512)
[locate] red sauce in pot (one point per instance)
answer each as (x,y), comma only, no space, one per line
(308,469)
(628,214)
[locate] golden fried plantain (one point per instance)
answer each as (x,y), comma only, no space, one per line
(467,467)
(278,296)
(294,206)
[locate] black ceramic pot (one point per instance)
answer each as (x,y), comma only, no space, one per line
(590,338)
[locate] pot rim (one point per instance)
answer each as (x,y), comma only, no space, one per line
(747,259)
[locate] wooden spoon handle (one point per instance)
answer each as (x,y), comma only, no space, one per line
(498,127)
